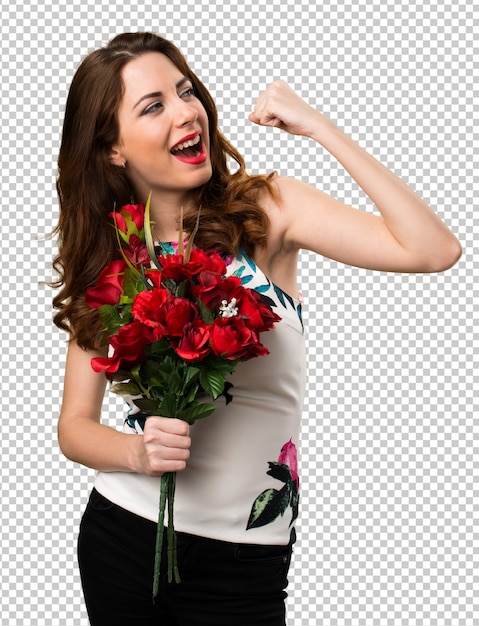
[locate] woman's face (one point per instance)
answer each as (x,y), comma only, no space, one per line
(163,127)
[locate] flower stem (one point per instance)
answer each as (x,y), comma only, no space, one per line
(160,533)
(167,498)
(173,571)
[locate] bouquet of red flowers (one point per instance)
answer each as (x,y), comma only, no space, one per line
(177,326)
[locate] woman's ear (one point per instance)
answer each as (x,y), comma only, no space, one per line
(115,157)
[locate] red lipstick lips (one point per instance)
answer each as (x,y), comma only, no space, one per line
(190,149)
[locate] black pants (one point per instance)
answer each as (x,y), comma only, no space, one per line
(222,584)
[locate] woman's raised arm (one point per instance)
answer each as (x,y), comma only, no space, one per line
(407,236)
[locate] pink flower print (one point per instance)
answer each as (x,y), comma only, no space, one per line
(289,456)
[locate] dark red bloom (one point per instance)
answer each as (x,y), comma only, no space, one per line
(174,266)
(137,252)
(128,348)
(253,309)
(147,306)
(194,343)
(212,288)
(109,286)
(175,314)
(231,339)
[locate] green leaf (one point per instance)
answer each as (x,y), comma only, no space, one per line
(133,283)
(170,284)
(191,393)
(212,382)
(130,388)
(131,227)
(294,504)
(191,372)
(168,407)
(110,318)
(206,314)
(149,236)
(147,405)
(196,412)
(280,471)
(268,506)
(158,348)
(221,366)
(183,289)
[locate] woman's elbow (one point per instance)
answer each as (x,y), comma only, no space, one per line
(447,257)
(451,255)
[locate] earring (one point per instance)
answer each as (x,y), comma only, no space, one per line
(123,164)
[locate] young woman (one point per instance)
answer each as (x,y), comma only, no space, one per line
(138,121)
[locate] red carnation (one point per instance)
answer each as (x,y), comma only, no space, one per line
(147,305)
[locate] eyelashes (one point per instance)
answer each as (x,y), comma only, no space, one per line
(156,106)
(152,108)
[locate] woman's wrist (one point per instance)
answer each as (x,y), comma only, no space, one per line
(325,132)
(135,453)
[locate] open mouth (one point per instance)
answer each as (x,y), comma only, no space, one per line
(188,149)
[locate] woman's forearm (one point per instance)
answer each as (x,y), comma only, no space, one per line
(98,446)
(410,220)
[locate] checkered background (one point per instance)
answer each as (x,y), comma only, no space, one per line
(387,533)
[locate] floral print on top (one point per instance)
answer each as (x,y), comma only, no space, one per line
(247,270)
(272,503)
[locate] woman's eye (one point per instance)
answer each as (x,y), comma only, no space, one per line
(188,92)
(156,106)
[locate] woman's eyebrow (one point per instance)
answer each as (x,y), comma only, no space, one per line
(158,94)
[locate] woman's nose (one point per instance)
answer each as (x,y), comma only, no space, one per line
(185,113)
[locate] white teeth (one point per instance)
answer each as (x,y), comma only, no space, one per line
(187,144)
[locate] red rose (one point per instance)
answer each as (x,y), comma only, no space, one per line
(231,339)
(194,343)
(175,314)
(109,286)
(128,348)
(147,305)
(129,213)
(174,266)
(210,261)
(212,288)
(253,309)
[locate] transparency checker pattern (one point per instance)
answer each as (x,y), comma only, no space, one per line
(388,524)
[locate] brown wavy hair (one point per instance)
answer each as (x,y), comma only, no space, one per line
(89,186)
